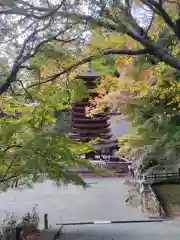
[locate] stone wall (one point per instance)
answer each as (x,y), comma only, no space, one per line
(154,206)
(169,194)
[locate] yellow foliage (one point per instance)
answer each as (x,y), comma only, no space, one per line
(131,44)
(148,75)
(104,40)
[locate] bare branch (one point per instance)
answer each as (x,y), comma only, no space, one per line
(7,171)
(47,12)
(26,91)
(21,58)
(9,178)
(12,146)
(133,30)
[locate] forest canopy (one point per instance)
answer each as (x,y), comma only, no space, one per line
(45,44)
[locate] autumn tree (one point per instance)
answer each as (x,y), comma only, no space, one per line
(149,33)
(33,145)
(45,21)
(147,94)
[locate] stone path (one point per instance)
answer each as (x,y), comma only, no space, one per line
(148,231)
(105,200)
(48,235)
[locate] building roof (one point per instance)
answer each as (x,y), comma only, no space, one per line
(90,73)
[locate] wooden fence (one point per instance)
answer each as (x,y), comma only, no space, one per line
(153,177)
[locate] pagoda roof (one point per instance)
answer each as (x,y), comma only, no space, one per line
(89,74)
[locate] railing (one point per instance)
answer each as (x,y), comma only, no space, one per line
(153,177)
(150,220)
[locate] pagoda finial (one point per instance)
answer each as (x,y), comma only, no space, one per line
(89,66)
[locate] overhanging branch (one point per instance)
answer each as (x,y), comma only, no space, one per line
(21,58)
(156,50)
(125,52)
(103,52)
(149,44)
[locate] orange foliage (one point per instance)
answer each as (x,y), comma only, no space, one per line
(44,73)
(124,62)
(131,44)
(147,74)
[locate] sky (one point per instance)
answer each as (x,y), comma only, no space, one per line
(142,15)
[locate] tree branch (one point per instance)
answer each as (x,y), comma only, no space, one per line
(12,146)
(158,9)
(131,30)
(124,52)
(128,6)
(47,12)
(26,91)
(156,50)
(150,24)
(7,170)
(21,58)
(152,46)
(104,52)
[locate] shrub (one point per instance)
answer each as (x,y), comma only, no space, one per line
(29,223)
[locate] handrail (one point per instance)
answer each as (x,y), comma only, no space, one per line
(150,220)
(161,176)
(110,222)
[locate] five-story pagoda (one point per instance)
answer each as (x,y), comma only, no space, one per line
(85,128)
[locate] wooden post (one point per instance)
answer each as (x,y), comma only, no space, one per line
(146,193)
(18,233)
(179,172)
(45,221)
(159,206)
